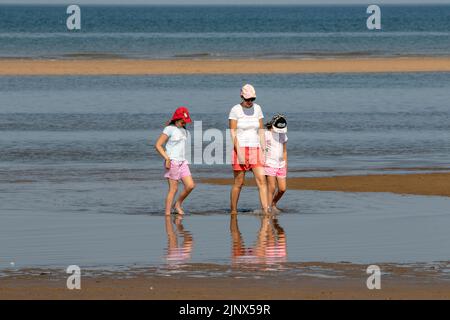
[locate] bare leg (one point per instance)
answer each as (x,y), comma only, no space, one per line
(173,188)
(281,190)
(260,179)
(189,185)
(271,186)
(239,178)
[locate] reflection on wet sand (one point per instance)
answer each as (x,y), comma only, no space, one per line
(269,247)
(176,253)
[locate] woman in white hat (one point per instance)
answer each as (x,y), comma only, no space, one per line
(247,135)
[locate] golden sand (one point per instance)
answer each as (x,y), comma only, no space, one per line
(431,184)
(400,285)
(250,66)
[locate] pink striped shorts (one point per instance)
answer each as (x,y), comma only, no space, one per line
(178,170)
(276,172)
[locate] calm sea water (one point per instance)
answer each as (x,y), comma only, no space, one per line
(336,122)
(80,182)
(216,32)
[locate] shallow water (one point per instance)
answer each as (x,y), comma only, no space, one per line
(110,224)
(338,122)
(80,182)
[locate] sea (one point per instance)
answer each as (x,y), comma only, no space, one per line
(81,182)
(171,32)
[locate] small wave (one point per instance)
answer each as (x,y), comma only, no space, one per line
(194,55)
(318,54)
(160,212)
(195,212)
(211,35)
(93,55)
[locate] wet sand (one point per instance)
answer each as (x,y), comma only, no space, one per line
(249,66)
(400,283)
(430,184)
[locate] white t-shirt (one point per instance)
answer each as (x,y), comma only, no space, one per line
(274,147)
(247,124)
(176,145)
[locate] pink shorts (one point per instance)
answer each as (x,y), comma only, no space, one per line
(178,170)
(276,172)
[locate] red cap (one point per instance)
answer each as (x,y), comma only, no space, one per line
(181,113)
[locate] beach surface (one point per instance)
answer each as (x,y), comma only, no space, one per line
(249,66)
(398,283)
(430,184)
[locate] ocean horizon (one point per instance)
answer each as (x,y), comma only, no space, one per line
(222,32)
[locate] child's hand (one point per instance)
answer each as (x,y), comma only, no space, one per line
(168,164)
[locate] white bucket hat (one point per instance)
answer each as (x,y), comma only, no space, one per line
(248,92)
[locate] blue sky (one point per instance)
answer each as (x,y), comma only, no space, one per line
(256,2)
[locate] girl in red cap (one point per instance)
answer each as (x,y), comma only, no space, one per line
(174,137)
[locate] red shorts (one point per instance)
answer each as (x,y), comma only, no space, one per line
(252,158)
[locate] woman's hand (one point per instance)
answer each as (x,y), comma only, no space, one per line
(262,156)
(240,156)
(239,151)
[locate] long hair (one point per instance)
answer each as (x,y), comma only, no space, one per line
(269,124)
(172,123)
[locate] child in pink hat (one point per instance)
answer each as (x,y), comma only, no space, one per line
(174,137)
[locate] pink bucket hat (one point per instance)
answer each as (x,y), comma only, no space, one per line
(248,91)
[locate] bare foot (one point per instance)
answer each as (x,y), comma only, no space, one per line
(178,209)
(274,209)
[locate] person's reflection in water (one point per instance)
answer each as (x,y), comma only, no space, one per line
(176,253)
(270,245)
